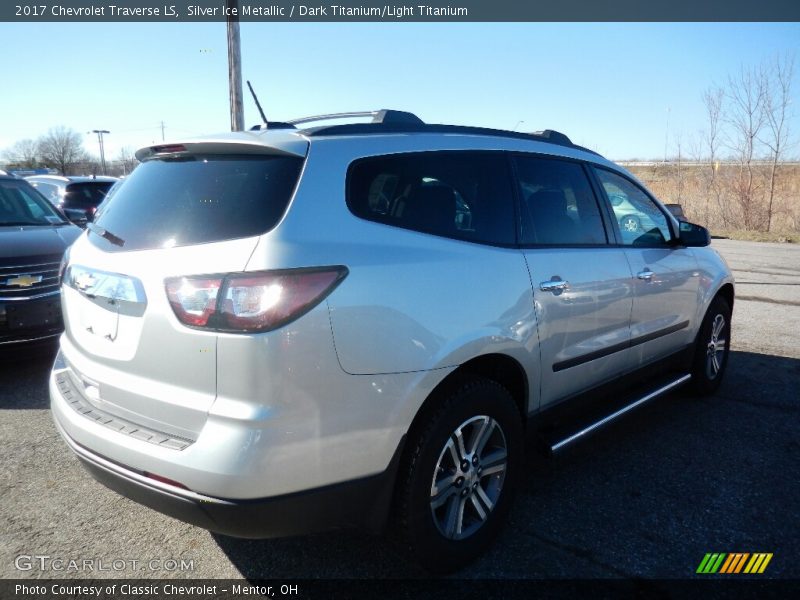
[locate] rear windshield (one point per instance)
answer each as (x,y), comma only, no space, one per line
(86,195)
(169,202)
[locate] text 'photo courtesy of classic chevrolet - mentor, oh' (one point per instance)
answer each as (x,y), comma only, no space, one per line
(302,326)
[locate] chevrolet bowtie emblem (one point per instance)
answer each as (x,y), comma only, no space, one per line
(24,280)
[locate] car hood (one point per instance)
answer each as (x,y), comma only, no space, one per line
(26,241)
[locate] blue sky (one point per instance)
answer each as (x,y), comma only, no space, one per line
(622,89)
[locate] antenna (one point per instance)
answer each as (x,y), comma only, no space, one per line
(258,105)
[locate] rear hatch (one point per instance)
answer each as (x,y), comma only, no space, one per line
(86,195)
(186,210)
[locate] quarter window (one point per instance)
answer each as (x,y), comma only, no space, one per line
(462,195)
(641,222)
(557,204)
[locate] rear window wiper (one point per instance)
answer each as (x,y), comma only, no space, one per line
(97,230)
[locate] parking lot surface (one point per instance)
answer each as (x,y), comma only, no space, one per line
(646,497)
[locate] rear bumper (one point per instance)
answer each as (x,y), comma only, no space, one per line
(362,503)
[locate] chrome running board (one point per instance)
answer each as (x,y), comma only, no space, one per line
(606,420)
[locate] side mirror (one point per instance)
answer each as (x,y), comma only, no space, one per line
(693,235)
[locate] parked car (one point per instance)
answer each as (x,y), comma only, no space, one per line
(73,193)
(109,194)
(677,211)
(633,217)
(292,329)
(33,238)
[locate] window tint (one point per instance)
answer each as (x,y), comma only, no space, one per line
(640,221)
(86,195)
(21,204)
(465,195)
(36,208)
(557,205)
(198,199)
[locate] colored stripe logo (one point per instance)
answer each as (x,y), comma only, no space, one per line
(734,562)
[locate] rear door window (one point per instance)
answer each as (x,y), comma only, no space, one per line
(462,195)
(557,204)
(182,201)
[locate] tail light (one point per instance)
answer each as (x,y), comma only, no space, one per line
(250,302)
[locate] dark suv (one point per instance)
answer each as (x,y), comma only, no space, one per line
(80,193)
(33,239)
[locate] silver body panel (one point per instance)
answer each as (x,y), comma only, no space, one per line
(328,397)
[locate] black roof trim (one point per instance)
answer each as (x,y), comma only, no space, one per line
(272,125)
(548,135)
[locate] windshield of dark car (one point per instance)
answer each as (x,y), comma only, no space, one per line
(20,204)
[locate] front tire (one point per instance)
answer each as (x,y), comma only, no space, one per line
(457,483)
(712,349)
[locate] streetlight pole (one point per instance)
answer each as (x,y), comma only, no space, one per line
(100,133)
(235,66)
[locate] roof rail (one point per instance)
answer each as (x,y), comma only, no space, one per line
(383,117)
(554,136)
(399,121)
(548,135)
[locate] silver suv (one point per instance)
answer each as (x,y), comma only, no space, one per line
(303,327)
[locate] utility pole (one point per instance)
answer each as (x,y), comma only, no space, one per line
(100,133)
(235,66)
(162,131)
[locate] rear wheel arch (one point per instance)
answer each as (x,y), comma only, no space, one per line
(501,368)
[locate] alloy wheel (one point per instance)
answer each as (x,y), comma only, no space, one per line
(716,348)
(468,477)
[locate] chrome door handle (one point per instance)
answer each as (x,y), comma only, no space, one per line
(554,285)
(646,275)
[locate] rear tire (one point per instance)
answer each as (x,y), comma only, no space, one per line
(457,482)
(712,348)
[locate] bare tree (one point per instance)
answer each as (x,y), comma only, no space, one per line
(776,110)
(24,154)
(746,115)
(713,98)
(62,148)
(747,91)
(126,160)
